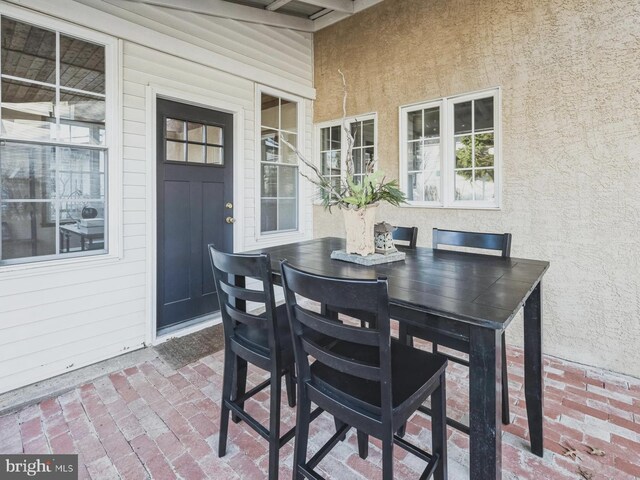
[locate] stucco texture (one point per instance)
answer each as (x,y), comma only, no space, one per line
(570,77)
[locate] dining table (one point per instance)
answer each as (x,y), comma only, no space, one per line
(472,296)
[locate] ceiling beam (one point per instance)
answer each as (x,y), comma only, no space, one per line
(220,8)
(344,6)
(335,16)
(273,6)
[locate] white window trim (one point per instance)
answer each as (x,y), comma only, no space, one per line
(113,129)
(317,152)
(446,151)
(289,235)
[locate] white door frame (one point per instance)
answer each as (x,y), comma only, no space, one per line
(153,92)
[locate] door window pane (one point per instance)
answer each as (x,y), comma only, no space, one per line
(175,129)
(175,151)
(195,132)
(464,152)
(484,150)
(484,185)
(195,153)
(464,185)
(214,156)
(432,122)
(214,135)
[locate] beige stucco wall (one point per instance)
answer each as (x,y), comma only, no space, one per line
(570,74)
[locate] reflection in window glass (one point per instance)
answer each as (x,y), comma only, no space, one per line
(279,164)
(456,136)
(423,155)
(53,197)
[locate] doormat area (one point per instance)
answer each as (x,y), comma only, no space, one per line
(181,351)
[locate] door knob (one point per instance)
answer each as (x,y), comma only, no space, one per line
(230,220)
(229,205)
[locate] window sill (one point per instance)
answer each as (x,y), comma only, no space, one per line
(451,207)
(270,239)
(20,270)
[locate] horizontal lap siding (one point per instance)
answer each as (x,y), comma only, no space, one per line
(61,319)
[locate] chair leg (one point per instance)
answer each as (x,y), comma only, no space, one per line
(363,445)
(506,417)
(387,456)
(274,424)
(402,430)
(339,424)
(402,335)
(240,383)
(227,384)
(303,418)
(439,428)
(290,384)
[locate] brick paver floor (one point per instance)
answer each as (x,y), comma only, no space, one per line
(150,421)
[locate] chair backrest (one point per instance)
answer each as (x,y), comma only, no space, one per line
(230,272)
(367,296)
(487,241)
(406,234)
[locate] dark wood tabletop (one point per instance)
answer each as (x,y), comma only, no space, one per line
(474,297)
(479,289)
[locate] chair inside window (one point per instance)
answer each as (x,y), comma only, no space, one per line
(407,235)
(263,340)
(365,378)
(500,242)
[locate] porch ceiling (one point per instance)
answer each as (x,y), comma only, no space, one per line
(303,15)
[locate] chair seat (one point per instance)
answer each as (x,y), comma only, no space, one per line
(257,339)
(411,371)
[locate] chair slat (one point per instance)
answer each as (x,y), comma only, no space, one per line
(245,318)
(486,241)
(341,363)
(406,234)
(335,329)
(242,293)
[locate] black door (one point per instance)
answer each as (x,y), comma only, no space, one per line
(195,195)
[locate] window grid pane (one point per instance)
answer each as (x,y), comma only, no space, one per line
(424,156)
(474,150)
(53,202)
(279,165)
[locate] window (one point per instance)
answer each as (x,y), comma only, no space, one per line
(333,147)
(279,123)
(193,142)
(54,150)
(450,151)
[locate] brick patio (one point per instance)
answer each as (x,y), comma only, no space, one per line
(150,421)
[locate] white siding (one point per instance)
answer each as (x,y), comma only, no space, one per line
(57,318)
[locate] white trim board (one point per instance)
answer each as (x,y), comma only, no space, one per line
(113,25)
(153,92)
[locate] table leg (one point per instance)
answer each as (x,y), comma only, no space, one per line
(61,236)
(485,403)
(533,368)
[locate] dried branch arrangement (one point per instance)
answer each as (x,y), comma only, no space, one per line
(373,187)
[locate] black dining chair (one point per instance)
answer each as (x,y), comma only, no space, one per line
(263,340)
(406,234)
(486,241)
(363,377)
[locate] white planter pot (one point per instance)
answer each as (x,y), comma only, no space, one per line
(359,228)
